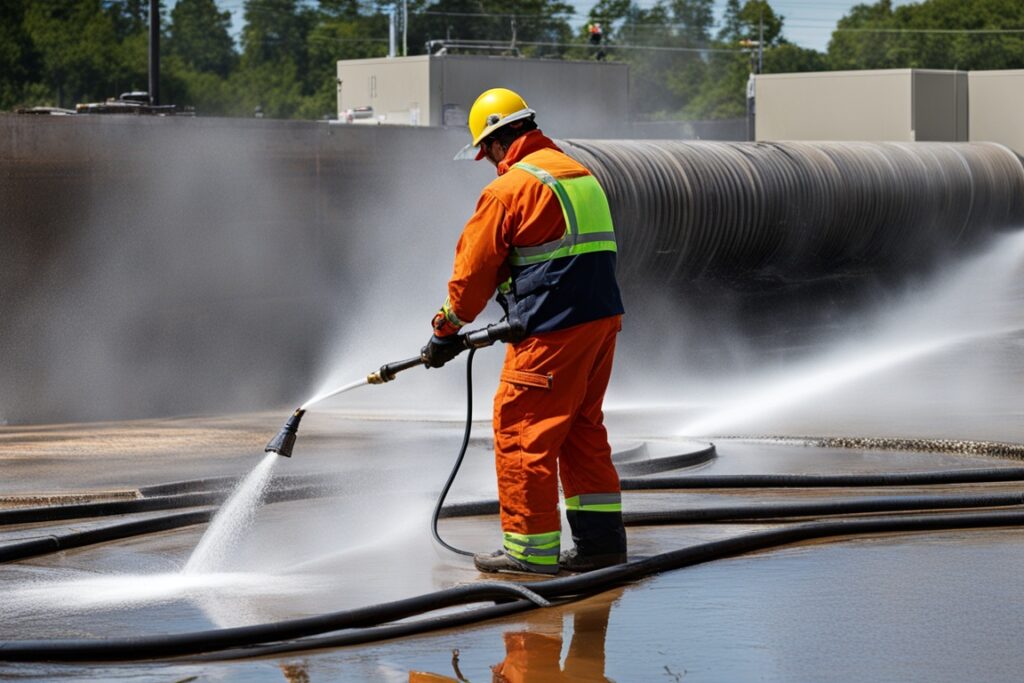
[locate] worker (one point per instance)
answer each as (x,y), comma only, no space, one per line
(596,34)
(542,236)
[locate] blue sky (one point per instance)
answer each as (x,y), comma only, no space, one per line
(808,23)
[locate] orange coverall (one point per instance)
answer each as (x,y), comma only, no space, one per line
(548,418)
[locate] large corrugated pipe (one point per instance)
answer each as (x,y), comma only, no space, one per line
(797,210)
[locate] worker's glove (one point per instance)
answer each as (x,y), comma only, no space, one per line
(440,350)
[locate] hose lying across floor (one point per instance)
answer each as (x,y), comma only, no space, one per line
(364,622)
(371,623)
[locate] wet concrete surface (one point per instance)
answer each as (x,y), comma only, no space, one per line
(896,607)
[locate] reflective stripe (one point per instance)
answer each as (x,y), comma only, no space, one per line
(534,548)
(449,314)
(595,502)
(608,236)
(588,219)
(571,226)
(568,250)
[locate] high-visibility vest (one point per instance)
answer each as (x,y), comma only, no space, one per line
(570,280)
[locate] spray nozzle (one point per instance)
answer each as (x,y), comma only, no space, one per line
(283,443)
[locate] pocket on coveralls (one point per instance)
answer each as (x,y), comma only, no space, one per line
(514,410)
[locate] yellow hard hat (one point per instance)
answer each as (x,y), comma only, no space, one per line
(492,110)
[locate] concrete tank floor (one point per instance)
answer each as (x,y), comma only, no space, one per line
(898,607)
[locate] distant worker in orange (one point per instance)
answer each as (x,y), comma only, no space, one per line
(542,236)
(596,35)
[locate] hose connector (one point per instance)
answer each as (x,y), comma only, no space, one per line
(283,443)
(388,371)
(497,332)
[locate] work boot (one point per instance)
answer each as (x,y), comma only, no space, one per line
(500,561)
(571,560)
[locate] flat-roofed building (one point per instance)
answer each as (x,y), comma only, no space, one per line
(572,98)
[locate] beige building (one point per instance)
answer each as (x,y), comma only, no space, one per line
(893,104)
(572,98)
(997,107)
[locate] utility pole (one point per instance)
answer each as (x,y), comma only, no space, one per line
(154,52)
(760,41)
(405,28)
(391,34)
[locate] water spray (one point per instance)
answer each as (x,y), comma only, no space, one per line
(283,443)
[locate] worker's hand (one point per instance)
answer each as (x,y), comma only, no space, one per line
(440,350)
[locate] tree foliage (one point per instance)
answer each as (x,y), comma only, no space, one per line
(283,61)
(937,34)
(200,37)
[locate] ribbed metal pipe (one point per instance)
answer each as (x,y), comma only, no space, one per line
(794,210)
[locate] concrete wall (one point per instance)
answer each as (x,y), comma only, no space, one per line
(900,105)
(158,266)
(572,98)
(997,107)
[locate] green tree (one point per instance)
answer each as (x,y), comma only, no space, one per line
(274,57)
(757,19)
(275,32)
(521,21)
(342,31)
(788,58)
(79,54)
(732,25)
(18,59)
(200,37)
(852,47)
(694,19)
(934,34)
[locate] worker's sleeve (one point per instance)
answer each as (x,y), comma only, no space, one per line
(480,265)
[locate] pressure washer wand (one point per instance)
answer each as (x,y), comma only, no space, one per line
(283,443)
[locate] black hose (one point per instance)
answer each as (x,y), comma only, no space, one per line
(735,481)
(52,543)
(763,511)
(56,542)
(182,644)
(178,644)
(458,460)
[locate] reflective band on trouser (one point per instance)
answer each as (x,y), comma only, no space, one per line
(595,502)
(534,548)
(588,220)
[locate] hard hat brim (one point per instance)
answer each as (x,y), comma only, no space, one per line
(514,116)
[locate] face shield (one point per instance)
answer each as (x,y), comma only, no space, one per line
(471,151)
